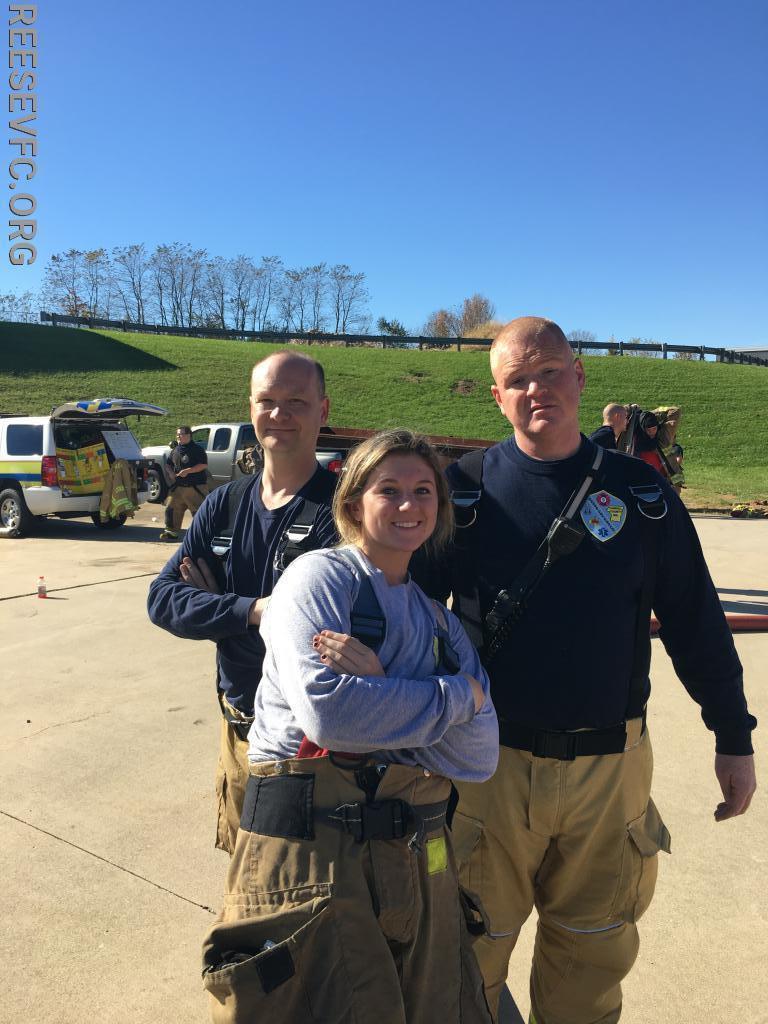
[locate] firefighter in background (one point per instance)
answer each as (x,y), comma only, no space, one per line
(187,473)
(669,417)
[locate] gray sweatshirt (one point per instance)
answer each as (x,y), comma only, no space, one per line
(410,716)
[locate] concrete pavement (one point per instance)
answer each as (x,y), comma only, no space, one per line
(107,751)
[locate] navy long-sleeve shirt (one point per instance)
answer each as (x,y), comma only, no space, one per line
(569,662)
(248,572)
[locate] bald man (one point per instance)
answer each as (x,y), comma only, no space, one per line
(567,824)
(614,424)
(202,595)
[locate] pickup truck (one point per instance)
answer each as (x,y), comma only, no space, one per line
(232,452)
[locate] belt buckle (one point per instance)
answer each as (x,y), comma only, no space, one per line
(560,745)
(385,819)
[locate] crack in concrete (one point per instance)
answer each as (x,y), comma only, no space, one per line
(106,860)
(69,721)
(77,586)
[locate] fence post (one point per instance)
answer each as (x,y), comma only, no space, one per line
(578,347)
(663,350)
(458,344)
(702,355)
(621,348)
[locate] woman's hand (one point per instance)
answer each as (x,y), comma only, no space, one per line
(477,691)
(344,653)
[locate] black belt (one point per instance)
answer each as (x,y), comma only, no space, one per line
(565,746)
(241,725)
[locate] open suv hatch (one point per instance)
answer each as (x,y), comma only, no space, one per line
(56,465)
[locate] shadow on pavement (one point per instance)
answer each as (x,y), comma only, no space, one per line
(84,530)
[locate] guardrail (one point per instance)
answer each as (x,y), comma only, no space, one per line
(619,348)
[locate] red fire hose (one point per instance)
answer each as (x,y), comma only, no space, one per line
(739,623)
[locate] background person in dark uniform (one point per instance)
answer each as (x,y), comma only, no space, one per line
(567,823)
(614,424)
(187,469)
(198,599)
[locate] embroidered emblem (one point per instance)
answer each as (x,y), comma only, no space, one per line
(603,515)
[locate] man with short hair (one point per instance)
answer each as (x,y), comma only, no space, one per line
(187,471)
(199,595)
(567,823)
(614,425)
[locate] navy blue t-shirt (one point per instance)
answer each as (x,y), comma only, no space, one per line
(569,662)
(249,571)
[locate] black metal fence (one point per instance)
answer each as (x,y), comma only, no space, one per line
(618,348)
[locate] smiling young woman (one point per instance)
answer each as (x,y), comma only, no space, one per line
(342,892)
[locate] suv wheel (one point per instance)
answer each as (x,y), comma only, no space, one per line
(15,517)
(158,488)
(108,524)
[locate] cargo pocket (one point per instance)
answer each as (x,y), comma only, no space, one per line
(646,836)
(283,967)
(466,835)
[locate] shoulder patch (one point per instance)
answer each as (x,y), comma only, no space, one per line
(603,514)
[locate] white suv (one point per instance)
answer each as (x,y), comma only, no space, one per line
(55,465)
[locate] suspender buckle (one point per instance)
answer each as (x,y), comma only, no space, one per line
(220,545)
(298,532)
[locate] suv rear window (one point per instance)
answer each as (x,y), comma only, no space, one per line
(25,439)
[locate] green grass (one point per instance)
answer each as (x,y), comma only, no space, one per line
(725,408)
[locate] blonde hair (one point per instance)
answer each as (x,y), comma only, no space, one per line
(361,463)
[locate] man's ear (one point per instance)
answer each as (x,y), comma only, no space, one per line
(325,408)
(581,376)
(497,397)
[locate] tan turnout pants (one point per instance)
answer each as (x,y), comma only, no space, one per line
(319,927)
(182,498)
(231,780)
(578,841)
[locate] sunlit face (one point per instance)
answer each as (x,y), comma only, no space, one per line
(287,409)
(397,510)
(537,386)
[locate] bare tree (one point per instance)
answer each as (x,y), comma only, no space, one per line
(443,323)
(97,282)
(216,284)
(317,287)
(348,299)
(178,274)
(19,308)
(242,275)
(64,286)
(291,301)
(474,311)
(267,289)
(131,270)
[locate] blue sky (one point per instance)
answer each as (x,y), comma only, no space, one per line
(601,163)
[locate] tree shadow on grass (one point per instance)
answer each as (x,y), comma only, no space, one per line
(32,349)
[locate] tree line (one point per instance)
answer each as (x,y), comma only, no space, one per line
(179,286)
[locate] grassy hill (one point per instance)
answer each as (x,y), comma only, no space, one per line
(725,408)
